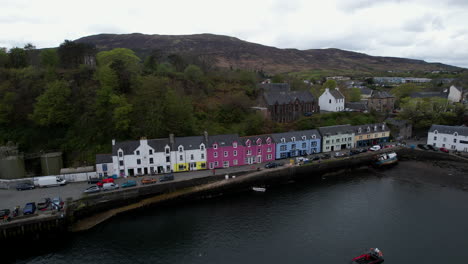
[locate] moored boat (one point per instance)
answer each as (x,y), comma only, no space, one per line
(374,256)
(385,159)
(259,189)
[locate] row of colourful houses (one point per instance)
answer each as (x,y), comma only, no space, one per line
(176,154)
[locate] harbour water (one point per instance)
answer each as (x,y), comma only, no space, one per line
(327,221)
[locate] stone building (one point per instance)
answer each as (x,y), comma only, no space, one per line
(288,106)
(381,102)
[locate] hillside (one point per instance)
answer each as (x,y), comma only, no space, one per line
(232,52)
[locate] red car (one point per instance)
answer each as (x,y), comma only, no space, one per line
(444,150)
(108,180)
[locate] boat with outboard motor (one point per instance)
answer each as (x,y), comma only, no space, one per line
(385,159)
(374,256)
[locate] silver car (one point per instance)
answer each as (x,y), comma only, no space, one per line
(92,189)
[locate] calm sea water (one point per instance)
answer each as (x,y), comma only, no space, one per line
(304,222)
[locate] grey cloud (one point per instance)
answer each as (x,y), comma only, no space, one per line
(354,5)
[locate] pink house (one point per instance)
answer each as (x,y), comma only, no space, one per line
(258,149)
(224,151)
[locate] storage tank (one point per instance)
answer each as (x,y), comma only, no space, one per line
(51,163)
(12,167)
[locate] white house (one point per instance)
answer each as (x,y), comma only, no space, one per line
(450,137)
(455,94)
(188,153)
(104,165)
(130,158)
(332,100)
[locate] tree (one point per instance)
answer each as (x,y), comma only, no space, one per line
(178,114)
(72,54)
(405,90)
(355,95)
(49,58)
(330,84)
(277,78)
(193,73)
(53,106)
(17,58)
(3,57)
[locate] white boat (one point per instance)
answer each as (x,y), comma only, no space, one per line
(259,189)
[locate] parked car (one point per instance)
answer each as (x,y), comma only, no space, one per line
(316,157)
(167,177)
(354,152)
(388,146)
(271,165)
(129,183)
(103,181)
(57,203)
(423,146)
(444,150)
(29,208)
(43,204)
(92,189)
(5,214)
(340,154)
(93,180)
(109,186)
(375,148)
(24,186)
(432,148)
(148,181)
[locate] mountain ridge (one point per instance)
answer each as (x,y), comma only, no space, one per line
(232,52)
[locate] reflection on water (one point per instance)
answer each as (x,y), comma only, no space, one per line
(304,222)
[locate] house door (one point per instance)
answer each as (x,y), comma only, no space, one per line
(332,148)
(259,159)
(145,171)
(343,146)
(131,172)
(160,169)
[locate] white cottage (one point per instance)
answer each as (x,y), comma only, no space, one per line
(449,137)
(332,100)
(104,165)
(188,153)
(455,94)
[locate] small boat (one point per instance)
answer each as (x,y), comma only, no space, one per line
(259,189)
(374,256)
(385,159)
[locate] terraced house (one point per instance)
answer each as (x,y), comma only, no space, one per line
(224,151)
(188,153)
(130,158)
(258,149)
(296,143)
(371,134)
(450,137)
(335,138)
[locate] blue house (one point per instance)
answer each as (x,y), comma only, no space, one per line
(297,143)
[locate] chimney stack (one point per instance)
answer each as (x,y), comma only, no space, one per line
(206,136)
(113,142)
(171,138)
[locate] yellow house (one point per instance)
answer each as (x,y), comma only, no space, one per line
(371,134)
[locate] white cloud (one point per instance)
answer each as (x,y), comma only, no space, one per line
(433,30)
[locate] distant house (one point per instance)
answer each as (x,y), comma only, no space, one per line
(104,165)
(454,94)
(336,138)
(357,107)
(297,143)
(283,106)
(332,100)
(366,93)
(258,149)
(371,134)
(400,129)
(381,102)
(450,137)
(224,151)
(188,153)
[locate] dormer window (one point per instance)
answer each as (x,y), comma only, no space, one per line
(259,142)
(383,126)
(215,146)
(375,128)
(368,129)
(181,149)
(303,137)
(283,140)
(234,144)
(137,152)
(120,153)
(455,134)
(248,143)
(202,147)
(313,136)
(359,130)
(268,141)
(435,131)
(167,150)
(293,139)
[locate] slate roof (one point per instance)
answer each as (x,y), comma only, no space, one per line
(158,144)
(458,88)
(254,139)
(336,93)
(297,134)
(381,94)
(371,126)
(428,94)
(396,122)
(358,106)
(461,130)
(366,91)
(272,98)
(103,158)
(223,140)
(188,143)
(128,147)
(336,130)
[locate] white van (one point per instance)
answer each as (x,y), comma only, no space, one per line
(49,181)
(109,186)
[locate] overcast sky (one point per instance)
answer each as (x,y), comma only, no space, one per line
(432,30)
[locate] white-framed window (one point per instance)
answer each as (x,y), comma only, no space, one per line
(234,162)
(453,147)
(181,157)
(234,145)
(202,156)
(167,150)
(181,149)
(215,154)
(216,164)
(215,146)
(225,153)
(234,153)
(269,156)
(191,156)
(304,145)
(283,148)
(151,161)
(138,161)
(226,164)
(269,149)
(138,152)
(454,140)
(435,138)
(259,151)
(120,154)
(249,152)
(283,140)
(202,147)
(151,152)
(293,139)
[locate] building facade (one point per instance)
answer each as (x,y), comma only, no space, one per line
(371,134)
(399,129)
(335,138)
(332,100)
(188,153)
(104,165)
(381,102)
(288,106)
(297,143)
(224,151)
(258,149)
(449,137)
(455,94)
